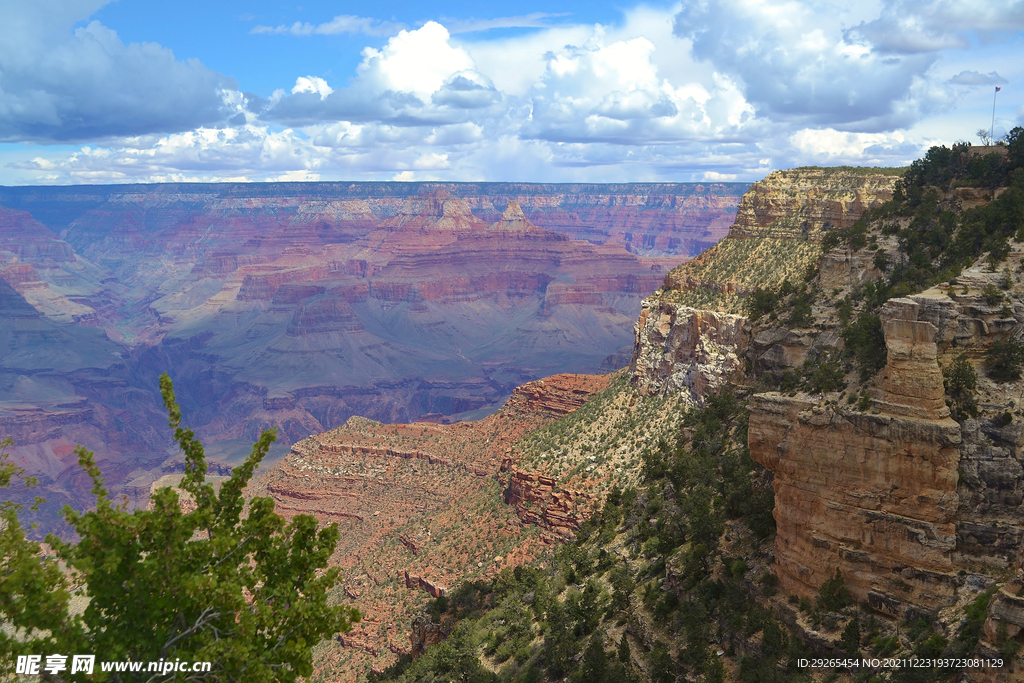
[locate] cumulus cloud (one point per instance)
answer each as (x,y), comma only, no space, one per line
(341,24)
(612,92)
(796,63)
(975,78)
(419,78)
(705,91)
(58,83)
(911,26)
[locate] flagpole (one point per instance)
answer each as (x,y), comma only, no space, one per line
(992,129)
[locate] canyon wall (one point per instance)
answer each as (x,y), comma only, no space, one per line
(873,494)
(301,305)
(776,237)
(678,349)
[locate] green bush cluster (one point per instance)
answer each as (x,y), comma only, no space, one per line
(961,382)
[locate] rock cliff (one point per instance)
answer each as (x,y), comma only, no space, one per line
(682,350)
(804,203)
(418,506)
(776,237)
(873,494)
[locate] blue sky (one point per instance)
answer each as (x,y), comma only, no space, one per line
(131,91)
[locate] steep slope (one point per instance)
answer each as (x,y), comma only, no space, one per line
(780,223)
(915,311)
(878,392)
(419,509)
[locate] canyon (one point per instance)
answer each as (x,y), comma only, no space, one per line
(300,305)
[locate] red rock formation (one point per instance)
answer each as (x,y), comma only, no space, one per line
(539,501)
(402,495)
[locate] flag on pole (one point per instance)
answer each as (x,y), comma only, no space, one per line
(998,88)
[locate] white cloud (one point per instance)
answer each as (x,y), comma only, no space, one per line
(339,25)
(312,84)
(705,91)
(63,84)
(795,63)
(417,61)
(975,78)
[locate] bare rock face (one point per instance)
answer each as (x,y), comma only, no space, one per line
(911,382)
(874,495)
(540,501)
(423,634)
(806,202)
(682,349)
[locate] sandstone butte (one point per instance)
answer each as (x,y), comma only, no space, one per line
(302,304)
(920,513)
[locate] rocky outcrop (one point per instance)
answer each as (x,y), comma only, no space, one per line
(539,500)
(872,494)
(424,633)
(804,203)
(911,382)
(435,590)
(681,349)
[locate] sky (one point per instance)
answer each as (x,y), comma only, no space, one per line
(126,91)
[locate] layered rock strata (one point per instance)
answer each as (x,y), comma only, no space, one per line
(871,494)
(804,203)
(776,237)
(418,507)
(540,501)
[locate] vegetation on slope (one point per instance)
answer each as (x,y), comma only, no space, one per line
(674,570)
(667,579)
(933,238)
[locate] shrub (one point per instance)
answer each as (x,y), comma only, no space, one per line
(865,343)
(992,295)
(1003,361)
(960,381)
(833,596)
(826,374)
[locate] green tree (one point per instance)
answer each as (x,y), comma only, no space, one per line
(1003,361)
(961,382)
(832,595)
(33,591)
(228,583)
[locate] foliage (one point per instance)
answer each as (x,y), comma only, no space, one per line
(961,381)
(1003,361)
(33,591)
(864,342)
(762,302)
(247,592)
(992,295)
(825,374)
(850,639)
(689,490)
(935,242)
(832,595)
